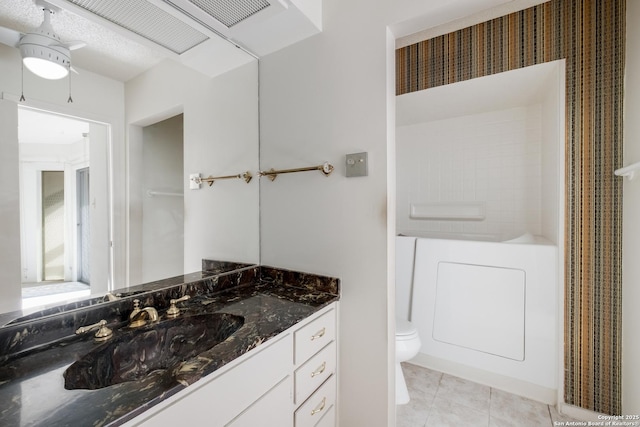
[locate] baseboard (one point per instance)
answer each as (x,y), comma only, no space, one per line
(521,388)
(580,413)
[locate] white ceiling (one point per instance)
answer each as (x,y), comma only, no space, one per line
(112,54)
(117,55)
(122,54)
(107,53)
(37,127)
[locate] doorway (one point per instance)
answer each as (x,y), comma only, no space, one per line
(64,215)
(52,203)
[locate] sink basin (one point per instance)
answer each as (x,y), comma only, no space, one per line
(131,355)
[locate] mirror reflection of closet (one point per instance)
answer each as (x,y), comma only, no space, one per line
(63,164)
(156,234)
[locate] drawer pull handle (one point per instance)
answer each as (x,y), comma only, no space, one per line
(318,334)
(320,407)
(320,370)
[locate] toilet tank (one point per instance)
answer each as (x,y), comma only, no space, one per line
(405,256)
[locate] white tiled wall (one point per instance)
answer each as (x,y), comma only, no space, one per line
(492,157)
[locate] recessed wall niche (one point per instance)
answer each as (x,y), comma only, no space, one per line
(494,144)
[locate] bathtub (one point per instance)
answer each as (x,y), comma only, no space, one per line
(488,311)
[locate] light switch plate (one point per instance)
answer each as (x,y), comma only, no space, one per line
(357,165)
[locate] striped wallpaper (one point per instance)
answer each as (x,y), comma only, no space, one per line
(590,35)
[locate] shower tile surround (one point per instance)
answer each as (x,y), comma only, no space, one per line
(35,353)
(492,157)
(590,36)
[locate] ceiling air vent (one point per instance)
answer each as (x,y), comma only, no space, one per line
(230,12)
(224,17)
(146,20)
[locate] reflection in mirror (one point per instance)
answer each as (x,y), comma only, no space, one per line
(220,137)
(62,174)
(138,233)
(132,75)
(156,236)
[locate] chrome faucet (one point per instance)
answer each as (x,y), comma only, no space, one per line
(141,316)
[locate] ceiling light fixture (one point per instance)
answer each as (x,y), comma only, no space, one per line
(45,62)
(43,52)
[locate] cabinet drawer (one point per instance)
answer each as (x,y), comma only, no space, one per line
(313,410)
(314,372)
(311,338)
(274,406)
(329,419)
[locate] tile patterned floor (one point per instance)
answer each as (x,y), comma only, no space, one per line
(442,400)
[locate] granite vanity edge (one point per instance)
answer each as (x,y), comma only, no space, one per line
(193,373)
(32,334)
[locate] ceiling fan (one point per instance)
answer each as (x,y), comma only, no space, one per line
(43,53)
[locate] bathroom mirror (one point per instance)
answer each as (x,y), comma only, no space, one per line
(172,122)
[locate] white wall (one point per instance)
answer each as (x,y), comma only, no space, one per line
(220,138)
(552,148)
(10,287)
(320,99)
(95,98)
(101,272)
(631,225)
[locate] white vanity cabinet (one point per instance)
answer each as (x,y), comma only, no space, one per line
(315,372)
(270,409)
(289,381)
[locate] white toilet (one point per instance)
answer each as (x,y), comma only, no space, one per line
(407,338)
(407,346)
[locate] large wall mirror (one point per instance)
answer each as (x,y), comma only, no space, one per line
(109,205)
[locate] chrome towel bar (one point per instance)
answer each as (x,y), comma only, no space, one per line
(325,168)
(246,176)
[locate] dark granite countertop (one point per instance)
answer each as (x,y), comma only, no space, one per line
(34,355)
